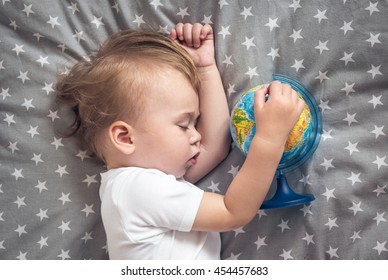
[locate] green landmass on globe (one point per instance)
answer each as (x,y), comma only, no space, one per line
(243,127)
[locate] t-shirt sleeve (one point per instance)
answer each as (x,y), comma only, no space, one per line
(156,200)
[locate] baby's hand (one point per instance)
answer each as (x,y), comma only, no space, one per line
(198,40)
(276,117)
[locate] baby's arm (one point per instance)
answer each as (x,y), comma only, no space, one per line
(274,120)
(213,124)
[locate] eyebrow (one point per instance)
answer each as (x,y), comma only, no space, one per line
(189,115)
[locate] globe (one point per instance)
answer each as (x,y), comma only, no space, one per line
(243,127)
(302,141)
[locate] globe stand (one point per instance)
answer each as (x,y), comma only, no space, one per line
(285,196)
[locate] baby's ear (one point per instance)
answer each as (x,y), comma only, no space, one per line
(120,134)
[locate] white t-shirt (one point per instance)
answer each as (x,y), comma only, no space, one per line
(148,214)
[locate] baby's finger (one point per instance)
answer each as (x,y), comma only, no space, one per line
(287,90)
(196,33)
(294,95)
(259,99)
(301,103)
(275,88)
(173,34)
(206,31)
(179,31)
(188,35)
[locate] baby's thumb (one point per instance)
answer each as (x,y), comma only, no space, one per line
(260,97)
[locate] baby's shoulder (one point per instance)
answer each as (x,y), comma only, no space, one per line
(137,174)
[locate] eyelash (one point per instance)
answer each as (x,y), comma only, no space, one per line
(183,127)
(185,124)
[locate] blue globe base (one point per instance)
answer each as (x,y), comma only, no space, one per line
(285,196)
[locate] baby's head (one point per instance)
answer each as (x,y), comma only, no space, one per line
(114,85)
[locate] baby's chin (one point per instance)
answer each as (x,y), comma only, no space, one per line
(178,174)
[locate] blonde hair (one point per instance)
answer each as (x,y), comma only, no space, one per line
(113,85)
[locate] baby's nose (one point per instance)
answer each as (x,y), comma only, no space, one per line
(195,137)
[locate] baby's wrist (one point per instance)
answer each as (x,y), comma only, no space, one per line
(275,143)
(208,73)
